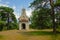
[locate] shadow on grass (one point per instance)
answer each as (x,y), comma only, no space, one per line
(38,33)
(58,32)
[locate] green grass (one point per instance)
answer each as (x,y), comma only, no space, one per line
(29,35)
(38,33)
(42,33)
(1,36)
(58,36)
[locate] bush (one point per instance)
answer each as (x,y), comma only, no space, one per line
(58,29)
(2,24)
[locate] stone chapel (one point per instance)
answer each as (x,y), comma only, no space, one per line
(23,21)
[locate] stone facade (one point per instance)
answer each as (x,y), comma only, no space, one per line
(23,21)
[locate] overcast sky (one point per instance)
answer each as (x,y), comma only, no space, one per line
(17,5)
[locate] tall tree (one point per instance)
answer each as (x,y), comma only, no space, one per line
(53,15)
(41,19)
(6,15)
(50,4)
(57,7)
(43,12)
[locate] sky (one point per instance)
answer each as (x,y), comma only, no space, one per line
(17,5)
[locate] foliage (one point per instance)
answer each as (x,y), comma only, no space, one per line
(57,7)
(2,23)
(41,19)
(48,13)
(7,18)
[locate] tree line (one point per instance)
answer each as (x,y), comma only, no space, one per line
(46,14)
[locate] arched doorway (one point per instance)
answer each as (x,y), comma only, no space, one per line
(23,26)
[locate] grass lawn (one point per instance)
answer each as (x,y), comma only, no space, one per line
(28,35)
(58,36)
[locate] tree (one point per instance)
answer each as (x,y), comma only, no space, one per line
(6,15)
(53,16)
(50,4)
(43,13)
(57,7)
(41,19)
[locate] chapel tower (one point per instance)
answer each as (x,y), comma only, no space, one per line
(23,21)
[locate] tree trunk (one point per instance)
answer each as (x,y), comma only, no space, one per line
(53,16)
(7,21)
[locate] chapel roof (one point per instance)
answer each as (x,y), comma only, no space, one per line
(23,17)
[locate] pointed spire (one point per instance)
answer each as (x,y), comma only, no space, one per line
(23,11)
